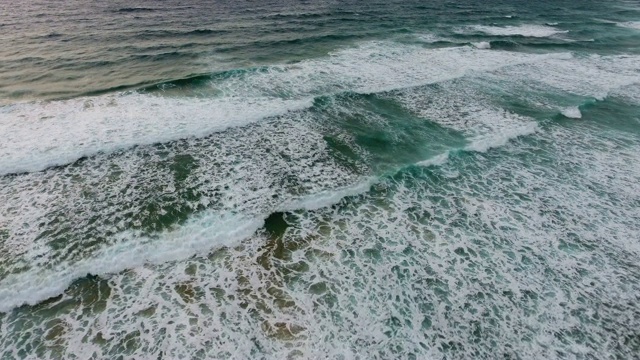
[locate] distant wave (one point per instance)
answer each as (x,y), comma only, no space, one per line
(206,32)
(60,132)
(431,38)
(53,35)
(538,31)
(45,134)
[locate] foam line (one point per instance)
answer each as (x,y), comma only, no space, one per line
(538,31)
(41,135)
(630,25)
(330,197)
(199,236)
(44,134)
(484,143)
(436,160)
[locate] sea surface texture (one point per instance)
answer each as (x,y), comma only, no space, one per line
(319,179)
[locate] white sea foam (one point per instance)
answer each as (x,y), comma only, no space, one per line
(482,45)
(503,240)
(485,143)
(490,141)
(246,173)
(383,66)
(40,135)
(521,30)
(572,112)
(499,243)
(241,172)
(629,93)
(593,76)
(36,136)
(198,237)
(630,25)
(430,38)
(460,105)
(435,161)
(328,197)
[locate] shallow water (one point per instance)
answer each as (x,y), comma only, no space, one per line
(300,180)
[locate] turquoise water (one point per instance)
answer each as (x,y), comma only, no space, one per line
(387,180)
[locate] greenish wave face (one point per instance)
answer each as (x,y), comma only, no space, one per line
(394,180)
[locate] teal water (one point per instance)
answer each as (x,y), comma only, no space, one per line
(392,180)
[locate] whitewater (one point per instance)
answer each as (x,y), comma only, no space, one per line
(301,181)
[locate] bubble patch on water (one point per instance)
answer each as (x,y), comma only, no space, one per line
(471,104)
(460,110)
(490,253)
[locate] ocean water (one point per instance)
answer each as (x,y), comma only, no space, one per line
(309,180)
